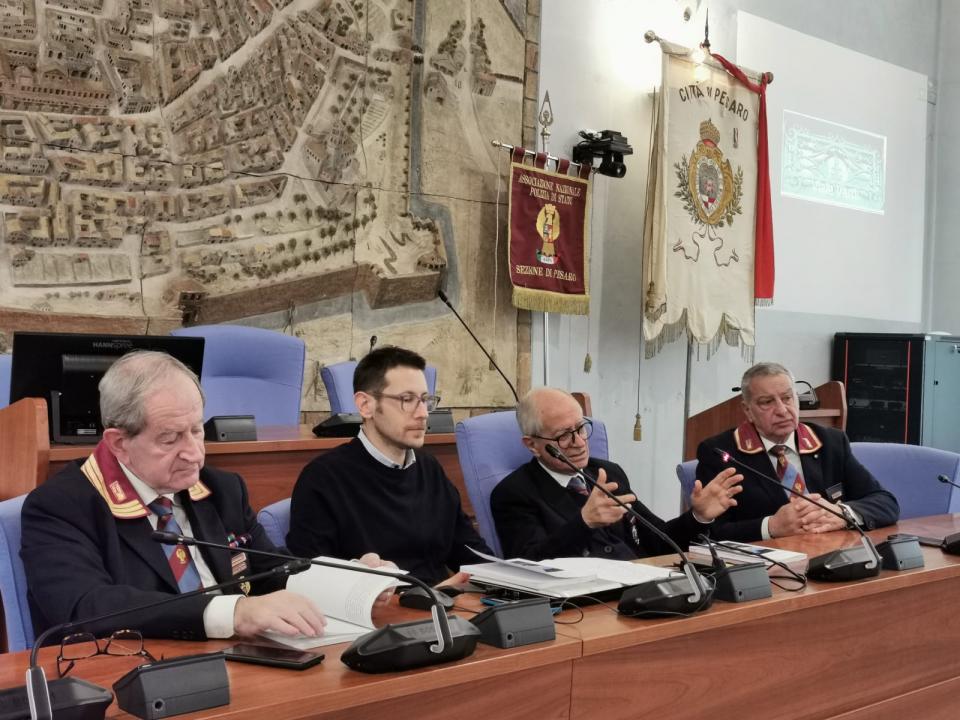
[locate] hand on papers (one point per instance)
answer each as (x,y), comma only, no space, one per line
(374,561)
(601,510)
(712,501)
(283,612)
(460,578)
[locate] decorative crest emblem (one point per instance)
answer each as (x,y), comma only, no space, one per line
(548,228)
(711,194)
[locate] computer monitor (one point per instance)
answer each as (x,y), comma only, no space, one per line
(65,368)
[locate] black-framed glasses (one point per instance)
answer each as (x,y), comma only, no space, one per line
(81,646)
(566,439)
(410,402)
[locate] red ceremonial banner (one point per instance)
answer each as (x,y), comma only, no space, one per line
(549,243)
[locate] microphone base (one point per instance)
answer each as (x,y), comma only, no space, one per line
(843,565)
(513,624)
(740,583)
(394,648)
(951,544)
(901,553)
(666,597)
(70,698)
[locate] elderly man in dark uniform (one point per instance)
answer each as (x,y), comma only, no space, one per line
(86,544)
(811,459)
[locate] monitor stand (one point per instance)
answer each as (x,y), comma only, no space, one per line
(56,425)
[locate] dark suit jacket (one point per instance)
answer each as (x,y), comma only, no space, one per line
(536,518)
(81,561)
(826,462)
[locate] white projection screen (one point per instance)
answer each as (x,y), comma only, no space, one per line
(847,139)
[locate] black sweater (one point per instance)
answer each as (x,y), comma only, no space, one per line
(346,503)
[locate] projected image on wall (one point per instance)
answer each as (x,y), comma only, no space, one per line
(834,164)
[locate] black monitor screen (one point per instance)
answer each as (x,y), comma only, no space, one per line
(65,369)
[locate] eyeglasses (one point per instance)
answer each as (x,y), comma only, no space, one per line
(410,402)
(566,439)
(80,646)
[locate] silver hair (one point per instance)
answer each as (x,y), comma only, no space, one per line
(127,383)
(528,410)
(762,369)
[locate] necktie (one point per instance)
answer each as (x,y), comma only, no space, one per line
(184,570)
(787,474)
(578,486)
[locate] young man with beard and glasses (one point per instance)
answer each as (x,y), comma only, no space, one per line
(543,510)
(378,493)
(811,459)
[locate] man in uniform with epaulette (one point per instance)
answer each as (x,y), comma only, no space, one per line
(813,460)
(86,544)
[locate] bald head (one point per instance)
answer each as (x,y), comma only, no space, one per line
(537,401)
(546,413)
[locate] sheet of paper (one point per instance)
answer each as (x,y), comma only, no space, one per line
(342,593)
(620,571)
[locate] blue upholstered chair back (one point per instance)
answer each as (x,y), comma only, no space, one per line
(6,361)
(490,448)
(687,475)
(13,581)
(251,371)
(275,519)
(338,379)
(910,473)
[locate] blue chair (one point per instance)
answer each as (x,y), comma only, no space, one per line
(275,519)
(6,361)
(490,448)
(251,371)
(910,473)
(338,380)
(687,475)
(13,581)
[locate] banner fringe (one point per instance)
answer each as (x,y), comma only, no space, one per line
(763,302)
(726,332)
(551,302)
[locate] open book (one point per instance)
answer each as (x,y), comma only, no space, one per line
(346,598)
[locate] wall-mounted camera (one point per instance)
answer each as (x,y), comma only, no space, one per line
(608,145)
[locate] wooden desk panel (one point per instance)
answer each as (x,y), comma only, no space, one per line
(523,683)
(271,464)
(828,650)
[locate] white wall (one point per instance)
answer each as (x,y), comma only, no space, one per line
(599,73)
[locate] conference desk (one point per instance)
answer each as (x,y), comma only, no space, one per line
(271,464)
(878,648)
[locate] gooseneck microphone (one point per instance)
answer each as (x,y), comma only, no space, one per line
(654,598)
(76,691)
(446,301)
(387,649)
(853,563)
(947,481)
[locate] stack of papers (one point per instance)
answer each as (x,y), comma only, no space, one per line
(562,577)
(345,596)
(737,553)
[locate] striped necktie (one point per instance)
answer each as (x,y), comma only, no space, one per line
(787,474)
(182,565)
(578,485)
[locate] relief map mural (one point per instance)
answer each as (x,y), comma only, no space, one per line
(321,167)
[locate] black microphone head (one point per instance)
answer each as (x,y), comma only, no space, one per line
(442,295)
(554,452)
(943,478)
(168,538)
